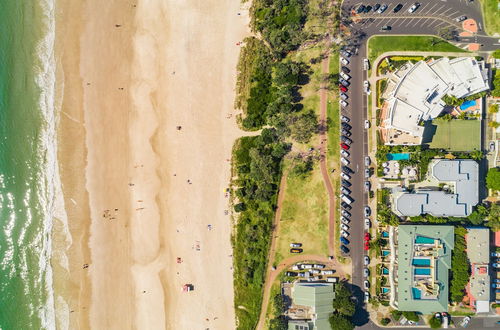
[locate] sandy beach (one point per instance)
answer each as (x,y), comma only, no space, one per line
(144,143)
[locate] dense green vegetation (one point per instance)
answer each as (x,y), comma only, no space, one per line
(380,44)
(493,178)
(455,101)
(344,308)
(495,84)
(280,22)
(279,322)
(411,316)
(460,267)
(434,322)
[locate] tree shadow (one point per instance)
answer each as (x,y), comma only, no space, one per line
(361,316)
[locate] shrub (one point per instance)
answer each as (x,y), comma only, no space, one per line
(411,316)
(396,315)
(493,178)
(385,321)
(460,267)
(434,322)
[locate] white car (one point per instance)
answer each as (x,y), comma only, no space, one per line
(366,64)
(367,296)
(344,61)
(465,322)
(344,227)
(344,96)
(366,84)
(367,224)
(366,272)
(366,284)
(414,7)
(344,119)
(344,234)
(345,75)
(367,161)
(345,176)
(367,124)
(345,191)
(344,220)
(366,260)
(345,213)
(345,161)
(344,153)
(343,103)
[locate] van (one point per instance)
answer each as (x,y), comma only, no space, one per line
(332,279)
(346,199)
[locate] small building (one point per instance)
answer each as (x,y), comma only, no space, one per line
(462,175)
(478,252)
(424,261)
(311,306)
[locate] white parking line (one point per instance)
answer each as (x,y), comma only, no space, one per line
(417,21)
(382,21)
(422,8)
(453,14)
(404,20)
(443,13)
(435,11)
(411,21)
(433,7)
(432,22)
(440,24)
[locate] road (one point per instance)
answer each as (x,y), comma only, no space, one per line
(428,19)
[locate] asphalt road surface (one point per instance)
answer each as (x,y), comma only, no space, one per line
(428,19)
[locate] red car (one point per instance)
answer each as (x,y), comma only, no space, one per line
(343,89)
(367,237)
(344,146)
(367,246)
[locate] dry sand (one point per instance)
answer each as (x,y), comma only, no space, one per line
(132,73)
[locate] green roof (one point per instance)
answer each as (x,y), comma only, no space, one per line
(318,296)
(435,244)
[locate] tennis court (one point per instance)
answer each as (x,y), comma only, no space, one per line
(457,135)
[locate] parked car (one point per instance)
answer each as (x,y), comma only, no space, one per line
(296,250)
(413,8)
(347,169)
(344,249)
(460,19)
(344,235)
(292,274)
(367,223)
(366,260)
(295,245)
(343,88)
(344,119)
(344,227)
(344,96)
(346,140)
(376,7)
(344,146)
(360,9)
(302,274)
(367,211)
(344,75)
(344,161)
(327,272)
(315,271)
(495,265)
(344,82)
(344,153)
(367,124)
(465,322)
(345,132)
(367,9)
(367,237)
(345,69)
(366,272)
(343,103)
(366,246)
(495,254)
(366,284)
(382,9)
(367,173)
(345,176)
(319,266)
(346,126)
(492,146)
(367,296)
(346,206)
(346,183)
(495,285)
(397,8)
(367,186)
(345,191)
(345,213)
(367,161)
(344,220)
(344,61)
(386,28)
(306,266)
(345,53)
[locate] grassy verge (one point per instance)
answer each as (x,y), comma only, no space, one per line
(304,216)
(380,44)
(491,14)
(271,312)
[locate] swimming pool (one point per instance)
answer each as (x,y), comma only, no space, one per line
(421,262)
(385,290)
(424,240)
(385,271)
(385,234)
(400,156)
(467,104)
(417,294)
(386,252)
(422,271)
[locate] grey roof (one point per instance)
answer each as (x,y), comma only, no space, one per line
(478,252)
(319,297)
(478,245)
(439,265)
(463,173)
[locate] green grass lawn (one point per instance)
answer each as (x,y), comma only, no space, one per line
(304,216)
(457,135)
(380,44)
(491,14)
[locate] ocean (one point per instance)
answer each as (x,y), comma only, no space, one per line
(28,163)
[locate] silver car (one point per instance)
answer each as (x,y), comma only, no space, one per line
(367,161)
(366,272)
(366,260)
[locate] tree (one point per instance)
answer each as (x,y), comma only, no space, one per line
(342,302)
(496,53)
(302,167)
(493,108)
(494,217)
(434,322)
(340,322)
(460,267)
(303,126)
(447,33)
(493,178)
(477,155)
(385,321)
(411,316)
(493,124)
(278,323)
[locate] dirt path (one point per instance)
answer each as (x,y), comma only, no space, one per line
(323,94)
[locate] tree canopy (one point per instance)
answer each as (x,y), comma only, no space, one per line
(493,178)
(340,322)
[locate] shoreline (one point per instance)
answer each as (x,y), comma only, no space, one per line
(132,74)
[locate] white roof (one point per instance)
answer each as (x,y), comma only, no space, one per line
(482,306)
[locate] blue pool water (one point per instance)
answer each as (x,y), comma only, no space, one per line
(422,271)
(385,271)
(417,294)
(421,262)
(424,240)
(467,104)
(385,234)
(386,252)
(385,290)
(400,156)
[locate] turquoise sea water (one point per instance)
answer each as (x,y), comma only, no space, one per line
(27,163)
